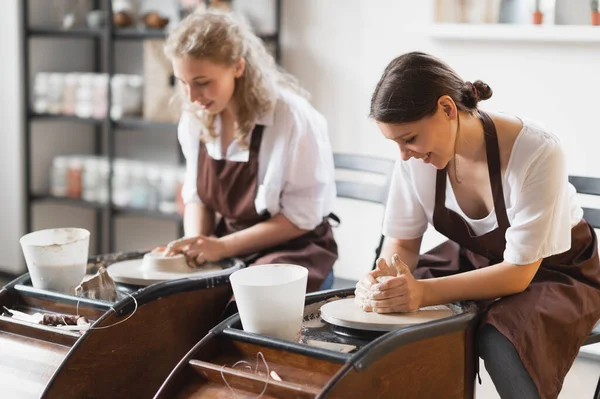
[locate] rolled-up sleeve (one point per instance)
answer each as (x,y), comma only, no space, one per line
(405,217)
(188,133)
(309,187)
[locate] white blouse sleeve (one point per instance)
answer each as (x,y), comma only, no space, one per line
(405,217)
(188,133)
(541,225)
(308,188)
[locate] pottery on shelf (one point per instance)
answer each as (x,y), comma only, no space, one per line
(95,19)
(154,20)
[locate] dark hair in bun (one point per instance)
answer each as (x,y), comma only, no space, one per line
(474,92)
(412,84)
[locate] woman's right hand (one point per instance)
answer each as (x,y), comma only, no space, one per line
(199,250)
(179,246)
(389,289)
(363,293)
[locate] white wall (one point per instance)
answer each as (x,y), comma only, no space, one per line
(339,48)
(11,219)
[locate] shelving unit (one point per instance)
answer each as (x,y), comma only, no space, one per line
(129,211)
(40,198)
(512,32)
(105,129)
(56,32)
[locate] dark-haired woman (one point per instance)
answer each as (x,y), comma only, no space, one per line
(496,186)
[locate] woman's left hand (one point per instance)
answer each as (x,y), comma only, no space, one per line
(198,249)
(402,293)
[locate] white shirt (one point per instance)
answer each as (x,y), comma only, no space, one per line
(540,202)
(295,164)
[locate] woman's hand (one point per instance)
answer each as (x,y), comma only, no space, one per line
(198,250)
(390,289)
(363,287)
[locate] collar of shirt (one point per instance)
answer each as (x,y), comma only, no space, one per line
(235,151)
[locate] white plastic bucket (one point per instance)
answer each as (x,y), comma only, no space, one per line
(56,258)
(270,299)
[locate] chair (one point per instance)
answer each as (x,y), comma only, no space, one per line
(352,187)
(590,186)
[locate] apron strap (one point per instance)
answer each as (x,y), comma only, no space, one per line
(440,188)
(495,170)
(495,174)
(256,139)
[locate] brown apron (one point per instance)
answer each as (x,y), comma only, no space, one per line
(229,188)
(549,321)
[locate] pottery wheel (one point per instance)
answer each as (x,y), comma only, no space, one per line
(346,313)
(131,272)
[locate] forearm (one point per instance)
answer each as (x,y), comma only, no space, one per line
(408,250)
(490,282)
(267,234)
(198,219)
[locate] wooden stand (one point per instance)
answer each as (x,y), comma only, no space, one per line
(130,359)
(430,360)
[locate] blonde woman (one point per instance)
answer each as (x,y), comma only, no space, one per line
(260,178)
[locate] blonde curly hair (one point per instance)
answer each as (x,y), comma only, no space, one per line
(225,39)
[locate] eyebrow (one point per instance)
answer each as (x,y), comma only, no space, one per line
(402,135)
(196,78)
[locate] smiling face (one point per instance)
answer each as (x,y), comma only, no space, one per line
(430,139)
(207,84)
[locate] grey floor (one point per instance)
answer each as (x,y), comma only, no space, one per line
(580,382)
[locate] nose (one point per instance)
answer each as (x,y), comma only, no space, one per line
(193,93)
(405,153)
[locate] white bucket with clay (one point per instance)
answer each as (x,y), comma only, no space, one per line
(270,299)
(56,258)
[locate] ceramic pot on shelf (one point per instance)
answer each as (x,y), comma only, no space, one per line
(538,15)
(595,12)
